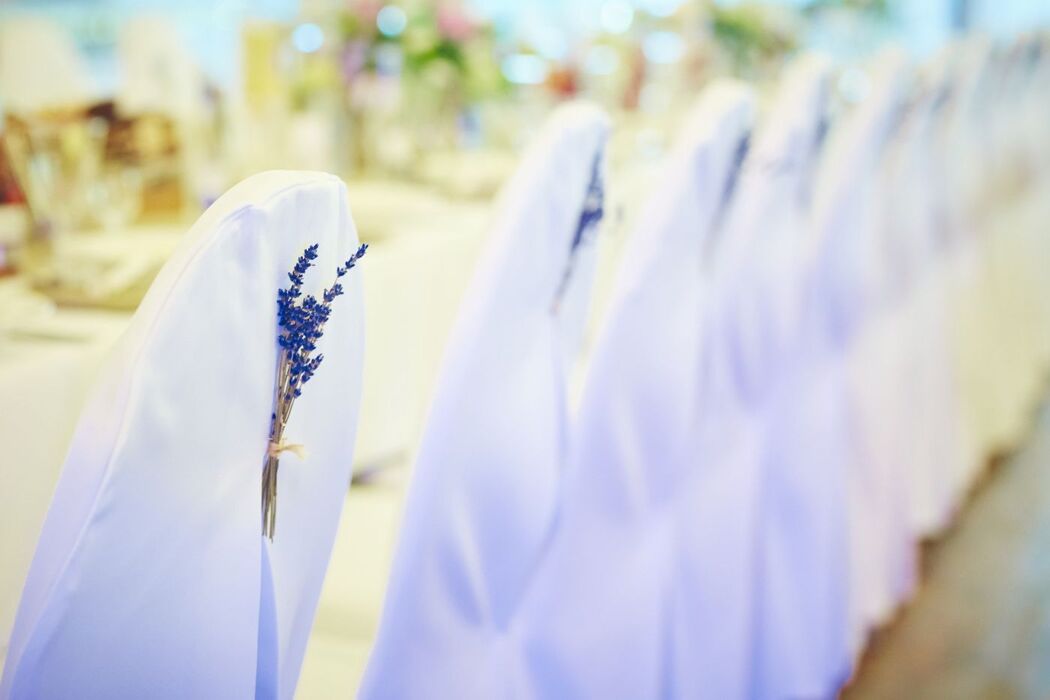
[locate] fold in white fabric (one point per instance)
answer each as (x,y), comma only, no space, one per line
(849,280)
(1004,339)
(958,141)
(151,578)
(939,453)
(630,602)
(486,477)
(774,412)
(766,432)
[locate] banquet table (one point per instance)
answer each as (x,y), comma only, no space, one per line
(423,247)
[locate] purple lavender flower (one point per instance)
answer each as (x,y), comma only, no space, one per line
(300,320)
(302,323)
(591,214)
(593,205)
(733,176)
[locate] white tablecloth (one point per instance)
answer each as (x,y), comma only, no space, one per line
(423,252)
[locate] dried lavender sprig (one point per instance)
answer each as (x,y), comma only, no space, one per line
(300,327)
(593,205)
(302,324)
(592,212)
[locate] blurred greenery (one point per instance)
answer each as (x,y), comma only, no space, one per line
(875,8)
(748,33)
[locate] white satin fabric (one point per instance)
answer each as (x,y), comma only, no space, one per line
(989,333)
(947,371)
(774,416)
(943,444)
(151,578)
(850,284)
(958,144)
(485,481)
(632,600)
(764,441)
(1008,334)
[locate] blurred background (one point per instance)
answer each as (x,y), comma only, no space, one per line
(122,120)
(174,100)
(118,114)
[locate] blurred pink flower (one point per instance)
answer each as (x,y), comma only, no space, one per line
(366,10)
(453,23)
(355,56)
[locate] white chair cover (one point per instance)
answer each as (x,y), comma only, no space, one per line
(151,578)
(992,155)
(959,143)
(40,67)
(1016,269)
(625,606)
(486,477)
(939,453)
(852,284)
(957,455)
(774,414)
(1035,156)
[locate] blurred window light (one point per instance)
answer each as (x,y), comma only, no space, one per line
(601,60)
(524,69)
(224,11)
(308,38)
(663,47)
(617,16)
(391,21)
(551,45)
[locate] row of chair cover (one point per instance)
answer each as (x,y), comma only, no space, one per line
(619,589)
(808,359)
(820,332)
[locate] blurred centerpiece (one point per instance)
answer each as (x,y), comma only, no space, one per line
(393,81)
(411,73)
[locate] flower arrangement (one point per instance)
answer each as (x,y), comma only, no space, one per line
(413,72)
(300,321)
(441,43)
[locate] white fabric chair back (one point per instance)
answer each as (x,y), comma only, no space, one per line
(151,577)
(766,392)
(841,244)
(760,248)
(486,477)
(850,286)
(628,509)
